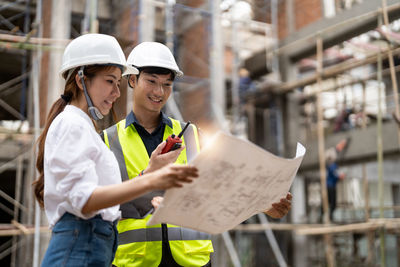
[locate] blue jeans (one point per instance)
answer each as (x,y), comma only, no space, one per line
(79,242)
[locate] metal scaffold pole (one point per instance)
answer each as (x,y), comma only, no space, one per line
(272,240)
(231,249)
(27,22)
(370,234)
(380,152)
(20,161)
(35,74)
(329,250)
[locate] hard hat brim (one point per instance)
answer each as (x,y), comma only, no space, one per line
(178,73)
(130,70)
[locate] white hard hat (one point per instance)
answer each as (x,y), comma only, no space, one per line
(94,49)
(153,54)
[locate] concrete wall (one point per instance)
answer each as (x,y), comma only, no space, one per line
(304,13)
(362,146)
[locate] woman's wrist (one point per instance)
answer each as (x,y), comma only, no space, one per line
(145,180)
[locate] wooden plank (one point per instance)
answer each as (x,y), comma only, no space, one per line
(322,229)
(21,227)
(30,231)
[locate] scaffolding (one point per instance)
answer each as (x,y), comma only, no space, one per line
(26,235)
(318,83)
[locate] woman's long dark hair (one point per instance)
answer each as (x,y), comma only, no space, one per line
(72,92)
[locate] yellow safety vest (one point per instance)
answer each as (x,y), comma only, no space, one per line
(141,245)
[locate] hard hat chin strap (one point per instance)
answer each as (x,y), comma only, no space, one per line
(93,111)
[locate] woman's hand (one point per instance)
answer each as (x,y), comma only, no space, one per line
(164,178)
(171,175)
(280,209)
(158,160)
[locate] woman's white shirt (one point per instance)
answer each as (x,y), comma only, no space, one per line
(76,161)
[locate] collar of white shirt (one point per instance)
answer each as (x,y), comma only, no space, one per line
(80,112)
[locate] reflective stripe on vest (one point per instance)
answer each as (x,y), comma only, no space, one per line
(155,234)
(115,147)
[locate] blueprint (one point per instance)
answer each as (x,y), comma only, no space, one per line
(237,180)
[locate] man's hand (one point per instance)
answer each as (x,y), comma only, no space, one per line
(158,160)
(156,201)
(280,209)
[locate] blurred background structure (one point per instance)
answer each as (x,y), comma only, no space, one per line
(275,72)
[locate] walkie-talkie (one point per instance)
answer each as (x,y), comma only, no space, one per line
(173,141)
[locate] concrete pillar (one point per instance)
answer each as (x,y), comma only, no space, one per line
(290,16)
(60,29)
(146,18)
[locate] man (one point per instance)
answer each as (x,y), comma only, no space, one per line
(332,174)
(135,142)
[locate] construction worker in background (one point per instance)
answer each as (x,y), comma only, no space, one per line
(79,182)
(333,176)
(246,84)
(134,141)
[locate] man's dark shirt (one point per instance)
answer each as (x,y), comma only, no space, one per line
(150,140)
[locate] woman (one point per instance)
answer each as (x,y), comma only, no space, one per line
(80,184)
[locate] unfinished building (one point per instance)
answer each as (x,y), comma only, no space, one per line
(275,72)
